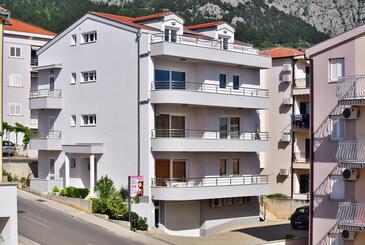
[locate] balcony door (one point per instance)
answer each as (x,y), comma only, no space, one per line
(170,126)
(162,171)
(179,170)
(169,79)
(162,125)
(234,127)
(51,121)
(229,127)
(51,82)
(178,126)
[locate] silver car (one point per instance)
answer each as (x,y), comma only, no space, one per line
(9,148)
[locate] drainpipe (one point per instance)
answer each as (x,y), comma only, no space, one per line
(293,134)
(138,39)
(311,197)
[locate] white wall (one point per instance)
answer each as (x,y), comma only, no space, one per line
(8,213)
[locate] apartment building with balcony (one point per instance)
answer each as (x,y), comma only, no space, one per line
(178,105)
(338,139)
(21,41)
(287,121)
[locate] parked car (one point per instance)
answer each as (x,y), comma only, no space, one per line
(300,218)
(8,148)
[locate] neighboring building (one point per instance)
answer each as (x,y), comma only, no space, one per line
(287,121)
(338,139)
(198,108)
(21,41)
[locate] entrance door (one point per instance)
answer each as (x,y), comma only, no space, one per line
(178,126)
(162,172)
(179,170)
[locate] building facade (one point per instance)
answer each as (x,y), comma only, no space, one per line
(287,121)
(21,41)
(178,105)
(338,204)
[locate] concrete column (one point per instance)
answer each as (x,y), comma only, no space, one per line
(67,171)
(92,173)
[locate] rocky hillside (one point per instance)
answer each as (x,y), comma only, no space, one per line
(265,23)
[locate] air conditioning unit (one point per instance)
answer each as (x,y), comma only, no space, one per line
(287,68)
(351,113)
(288,101)
(348,235)
(284,172)
(286,78)
(216,203)
(350,174)
(285,137)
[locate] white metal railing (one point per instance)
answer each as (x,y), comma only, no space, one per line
(331,236)
(55,93)
(351,87)
(209,88)
(48,135)
(208,134)
(302,157)
(206,43)
(210,181)
(34,62)
(301,83)
(351,154)
(351,216)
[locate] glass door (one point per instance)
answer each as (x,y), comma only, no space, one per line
(162,125)
(178,80)
(162,79)
(235,127)
(51,83)
(178,126)
(223,127)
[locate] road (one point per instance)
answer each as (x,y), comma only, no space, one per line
(44,225)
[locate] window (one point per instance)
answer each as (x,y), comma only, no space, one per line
(162,79)
(236,166)
(223,167)
(337,69)
(88,120)
(229,126)
(224,42)
(304,183)
(15,80)
(89,76)
(73,78)
(15,52)
(236,82)
(15,109)
(73,121)
(89,37)
(51,168)
(337,128)
(73,163)
(73,39)
(170,35)
(222,80)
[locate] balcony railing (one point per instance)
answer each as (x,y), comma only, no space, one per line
(56,93)
(351,216)
(48,135)
(351,88)
(351,154)
(301,83)
(34,62)
(210,181)
(208,134)
(300,121)
(208,88)
(205,43)
(301,157)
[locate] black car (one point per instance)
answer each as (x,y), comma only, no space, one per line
(300,218)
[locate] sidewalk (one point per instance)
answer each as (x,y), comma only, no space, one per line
(90,218)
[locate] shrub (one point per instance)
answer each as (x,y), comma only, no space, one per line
(105,188)
(289,237)
(138,222)
(99,206)
(55,189)
(124,193)
(74,192)
(116,208)
(277,196)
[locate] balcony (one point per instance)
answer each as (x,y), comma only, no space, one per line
(34,62)
(180,140)
(177,92)
(351,90)
(45,99)
(351,216)
(300,122)
(301,160)
(351,154)
(301,86)
(47,141)
(209,187)
(210,50)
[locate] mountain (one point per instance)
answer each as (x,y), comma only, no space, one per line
(265,23)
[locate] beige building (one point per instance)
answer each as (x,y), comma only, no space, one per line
(287,121)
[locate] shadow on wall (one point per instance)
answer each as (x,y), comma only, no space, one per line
(282,145)
(273,232)
(281,178)
(284,109)
(283,86)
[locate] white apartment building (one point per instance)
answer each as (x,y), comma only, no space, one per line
(287,121)
(197,95)
(21,42)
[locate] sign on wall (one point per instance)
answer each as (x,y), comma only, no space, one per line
(136,186)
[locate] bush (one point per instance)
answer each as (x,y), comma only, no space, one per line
(55,189)
(124,193)
(116,208)
(138,222)
(277,196)
(99,206)
(105,188)
(289,237)
(74,192)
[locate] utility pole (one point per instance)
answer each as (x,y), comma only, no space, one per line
(4,16)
